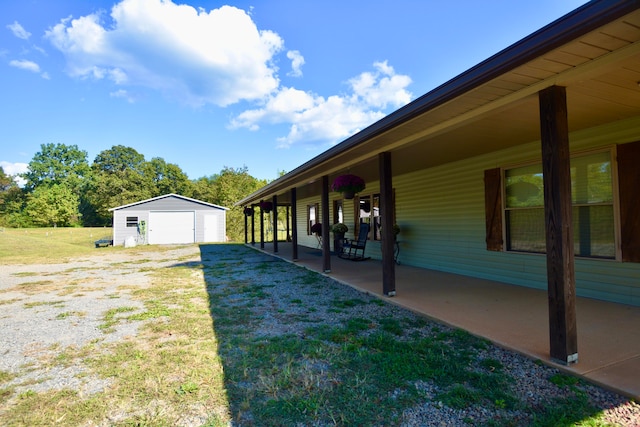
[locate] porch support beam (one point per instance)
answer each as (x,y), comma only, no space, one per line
(261,228)
(326,250)
(274,200)
(253,226)
(294,223)
(558,224)
(246,228)
(386,218)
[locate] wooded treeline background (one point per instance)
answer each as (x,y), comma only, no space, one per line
(63,189)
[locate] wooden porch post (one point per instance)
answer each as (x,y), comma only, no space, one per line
(326,251)
(275,223)
(558,224)
(253,226)
(386,218)
(294,223)
(261,229)
(246,228)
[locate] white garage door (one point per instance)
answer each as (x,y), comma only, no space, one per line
(171,227)
(213,228)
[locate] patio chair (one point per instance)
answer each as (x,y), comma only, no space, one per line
(353,250)
(317,230)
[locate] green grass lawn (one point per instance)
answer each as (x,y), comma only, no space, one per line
(43,245)
(55,244)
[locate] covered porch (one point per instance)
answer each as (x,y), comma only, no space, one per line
(513,317)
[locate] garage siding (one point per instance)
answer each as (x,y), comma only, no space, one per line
(120,230)
(169,219)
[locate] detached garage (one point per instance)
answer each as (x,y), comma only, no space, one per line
(169,219)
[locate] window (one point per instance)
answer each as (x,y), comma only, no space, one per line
(132,221)
(369,212)
(376,217)
(524,209)
(313,217)
(593,211)
(338,215)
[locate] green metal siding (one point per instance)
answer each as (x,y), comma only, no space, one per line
(301,211)
(442,217)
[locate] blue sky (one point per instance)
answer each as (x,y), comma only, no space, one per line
(205,84)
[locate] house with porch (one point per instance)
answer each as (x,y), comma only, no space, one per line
(524,169)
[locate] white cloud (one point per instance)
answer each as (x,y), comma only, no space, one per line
(297,61)
(198,57)
(14,169)
(382,87)
(218,57)
(39,49)
(315,118)
(23,64)
(121,93)
(19,31)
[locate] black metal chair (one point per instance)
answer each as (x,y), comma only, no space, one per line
(353,250)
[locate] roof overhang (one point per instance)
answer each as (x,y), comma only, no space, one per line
(593,51)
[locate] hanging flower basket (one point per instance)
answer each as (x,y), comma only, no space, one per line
(266,206)
(348,185)
(248,211)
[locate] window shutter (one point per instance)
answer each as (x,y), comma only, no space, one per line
(493,208)
(629,188)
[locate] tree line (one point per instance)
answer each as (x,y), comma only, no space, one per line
(63,189)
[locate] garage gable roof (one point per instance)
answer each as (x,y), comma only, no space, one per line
(178,196)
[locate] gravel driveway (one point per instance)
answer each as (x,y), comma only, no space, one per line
(46,308)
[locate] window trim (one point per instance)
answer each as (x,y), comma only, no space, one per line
(316,208)
(611,149)
(374,227)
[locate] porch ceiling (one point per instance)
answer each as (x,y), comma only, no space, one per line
(600,69)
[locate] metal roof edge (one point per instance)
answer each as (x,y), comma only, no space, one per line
(574,24)
(165,196)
